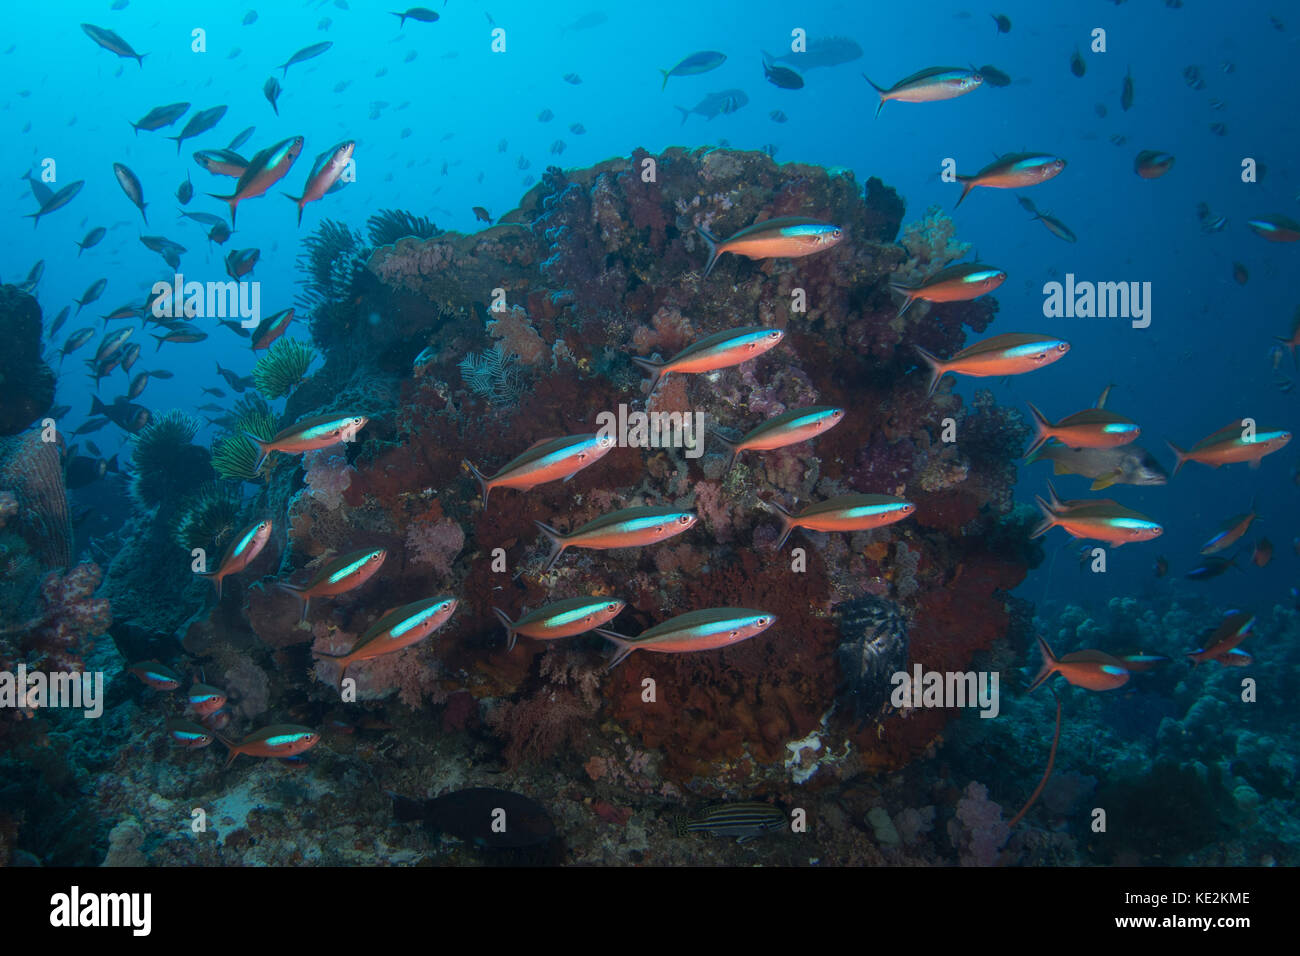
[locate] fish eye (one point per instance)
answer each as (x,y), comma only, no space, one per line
(774,334)
(684,519)
(1062,347)
(837,233)
(611,606)
(762,621)
(357,420)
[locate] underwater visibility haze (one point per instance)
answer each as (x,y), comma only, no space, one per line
(838,434)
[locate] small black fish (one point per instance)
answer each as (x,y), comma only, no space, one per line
(782,76)
(271,90)
(993,76)
(1003,22)
(419,14)
(185,192)
(1077,66)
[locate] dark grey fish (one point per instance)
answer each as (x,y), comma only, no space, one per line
(93,292)
(185,191)
(92,239)
(271,90)
(782,76)
(715,104)
(204,218)
(161,116)
(113,43)
(823,52)
(130,184)
(241,139)
(40,190)
(993,76)
(199,123)
(170,251)
(306,53)
(57,201)
(1125,465)
(249,18)
(419,14)
(695,64)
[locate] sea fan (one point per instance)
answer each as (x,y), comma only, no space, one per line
(331,258)
(389,225)
(278,372)
(167,465)
(207,519)
(494,375)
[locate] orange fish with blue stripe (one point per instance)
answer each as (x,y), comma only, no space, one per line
(1013,171)
(959,283)
(155,675)
(1102,520)
(205,699)
(397,629)
(551,459)
(1276,228)
(625,528)
(278,740)
(566,618)
(694,631)
(1230,445)
(717,351)
(787,237)
(188,734)
(246,546)
(1235,628)
(337,576)
(1012,353)
(789,428)
(843,513)
(1089,669)
(1090,428)
(310,434)
(1231,531)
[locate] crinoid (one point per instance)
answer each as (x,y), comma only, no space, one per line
(872,648)
(330,259)
(207,518)
(167,464)
(234,455)
(494,375)
(278,372)
(388,225)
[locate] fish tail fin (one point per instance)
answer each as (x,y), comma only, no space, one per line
(160,339)
(215,578)
(298,200)
(623,647)
(665,86)
(655,369)
(557,543)
(711,241)
(937,369)
(296,591)
(1180,458)
(968,184)
(732,450)
(879,92)
(96,406)
(263,451)
(1049,663)
(231,746)
(509,626)
(787,524)
(482,480)
(1049,518)
(139,58)
(686,114)
(1053,499)
(1041,428)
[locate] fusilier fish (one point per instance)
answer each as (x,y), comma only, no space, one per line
(720,350)
(92,239)
(271,90)
(1089,669)
(789,428)
(1276,228)
(929,86)
(1235,628)
(1231,531)
(787,237)
(853,512)
(397,629)
(625,528)
(309,434)
(694,65)
(264,170)
(113,43)
(155,675)
(1231,444)
(92,293)
(337,576)
(198,124)
(329,167)
(694,631)
(1152,163)
(419,14)
(188,734)
(306,53)
(56,201)
(221,162)
(957,283)
(271,328)
(278,740)
(550,459)
(1090,428)
(1012,353)
(130,184)
(1100,521)
(559,619)
(204,699)
(245,547)
(160,116)
(1013,171)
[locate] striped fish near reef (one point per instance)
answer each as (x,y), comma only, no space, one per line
(1229,445)
(843,513)
(625,528)
(566,618)
(246,546)
(1101,521)
(338,576)
(788,428)
(720,350)
(1090,428)
(310,434)
(188,734)
(550,459)
(693,631)
(278,740)
(1012,353)
(958,283)
(744,821)
(1013,171)
(929,86)
(786,237)
(397,629)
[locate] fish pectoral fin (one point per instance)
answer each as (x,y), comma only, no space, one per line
(1105,481)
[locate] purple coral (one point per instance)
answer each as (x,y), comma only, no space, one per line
(436,544)
(979,831)
(328,476)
